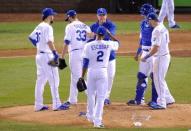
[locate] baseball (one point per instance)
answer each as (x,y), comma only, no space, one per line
(137,124)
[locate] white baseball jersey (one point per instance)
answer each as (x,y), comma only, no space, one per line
(75,32)
(160,37)
(43,33)
(98,53)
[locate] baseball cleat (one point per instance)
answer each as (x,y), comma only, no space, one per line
(107,102)
(151,103)
(168,104)
(157,107)
(44,108)
(66,103)
(82,114)
(134,103)
(99,126)
(62,107)
(175,26)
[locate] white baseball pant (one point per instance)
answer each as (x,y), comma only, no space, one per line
(160,68)
(111,75)
(97,83)
(46,73)
(75,63)
(167,9)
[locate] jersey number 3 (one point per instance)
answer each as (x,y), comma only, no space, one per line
(100,56)
(81,35)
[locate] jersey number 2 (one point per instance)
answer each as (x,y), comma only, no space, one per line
(81,35)
(100,55)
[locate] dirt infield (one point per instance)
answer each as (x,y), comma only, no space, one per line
(118,115)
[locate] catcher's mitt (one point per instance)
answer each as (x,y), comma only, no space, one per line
(81,85)
(62,64)
(53,63)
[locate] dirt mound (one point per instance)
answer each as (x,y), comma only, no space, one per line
(117,115)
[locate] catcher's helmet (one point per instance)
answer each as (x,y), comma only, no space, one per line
(146,9)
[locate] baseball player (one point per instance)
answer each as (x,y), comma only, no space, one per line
(74,41)
(160,51)
(109,25)
(42,37)
(167,9)
(96,59)
(145,68)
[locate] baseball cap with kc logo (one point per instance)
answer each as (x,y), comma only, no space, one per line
(101,11)
(70,13)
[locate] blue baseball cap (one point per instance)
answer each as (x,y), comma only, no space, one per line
(101,30)
(101,11)
(47,12)
(152,16)
(70,13)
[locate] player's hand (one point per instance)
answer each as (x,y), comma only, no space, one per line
(143,59)
(91,35)
(136,57)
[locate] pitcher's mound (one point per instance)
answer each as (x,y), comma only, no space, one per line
(117,115)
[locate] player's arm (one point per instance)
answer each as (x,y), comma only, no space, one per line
(112,29)
(53,49)
(34,37)
(85,61)
(50,43)
(139,50)
(112,36)
(85,66)
(156,40)
(151,53)
(67,41)
(65,48)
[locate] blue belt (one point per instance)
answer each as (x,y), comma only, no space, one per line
(42,52)
(75,50)
(147,50)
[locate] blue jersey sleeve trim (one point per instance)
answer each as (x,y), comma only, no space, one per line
(85,62)
(112,55)
(33,41)
(67,42)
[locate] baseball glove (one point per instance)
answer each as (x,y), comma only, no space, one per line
(53,63)
(62,64)
(81,85)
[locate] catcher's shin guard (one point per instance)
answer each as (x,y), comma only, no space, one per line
(141,86)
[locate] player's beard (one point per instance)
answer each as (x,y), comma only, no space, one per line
(51,22)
